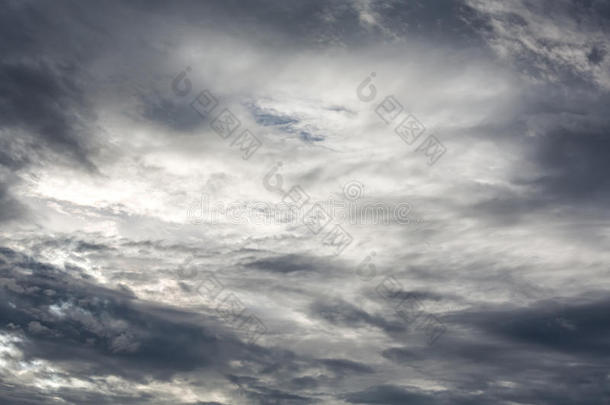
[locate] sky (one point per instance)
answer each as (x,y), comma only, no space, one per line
(305,202)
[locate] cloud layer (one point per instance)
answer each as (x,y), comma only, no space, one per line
(482,124)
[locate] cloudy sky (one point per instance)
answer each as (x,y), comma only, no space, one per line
(305,202)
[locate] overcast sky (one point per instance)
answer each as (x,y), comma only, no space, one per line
(305,202)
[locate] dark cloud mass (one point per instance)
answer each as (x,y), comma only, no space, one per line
(322,202)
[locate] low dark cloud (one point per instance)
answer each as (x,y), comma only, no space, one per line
(105,331)
(45,101)
(560,325)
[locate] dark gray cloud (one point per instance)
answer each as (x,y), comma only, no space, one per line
(509,344)
(43,84)
(44,101)
(287,264)
(560,325)
(97,330)
(12,209)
